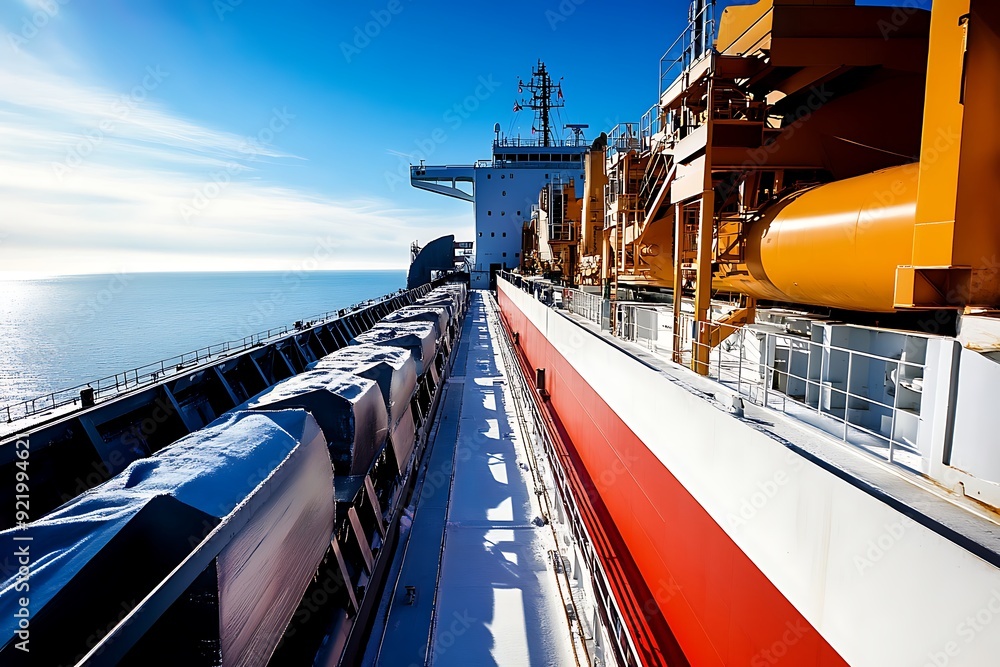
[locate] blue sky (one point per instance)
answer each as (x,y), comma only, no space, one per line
(245,134)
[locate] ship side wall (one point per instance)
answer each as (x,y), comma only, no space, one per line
(756,555)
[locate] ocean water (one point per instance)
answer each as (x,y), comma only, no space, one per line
(64,331)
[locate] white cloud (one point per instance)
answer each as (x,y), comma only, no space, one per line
(94,180)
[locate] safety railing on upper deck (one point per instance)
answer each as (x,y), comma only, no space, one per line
(650,126)
(816,382)
(517,142)
(869,400)
(693,44)
(584,304)
(637,324)
(624,137)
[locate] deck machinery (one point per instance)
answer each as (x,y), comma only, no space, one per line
(835,160)
(812,157)
(807,215)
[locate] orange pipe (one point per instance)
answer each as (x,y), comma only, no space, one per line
(836,245)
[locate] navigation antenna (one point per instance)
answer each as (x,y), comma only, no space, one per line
(545,96)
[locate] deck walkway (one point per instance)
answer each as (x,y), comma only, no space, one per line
(485,591)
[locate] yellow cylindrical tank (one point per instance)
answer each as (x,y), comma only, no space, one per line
(836,245)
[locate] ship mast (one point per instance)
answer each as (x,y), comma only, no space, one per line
(545,96)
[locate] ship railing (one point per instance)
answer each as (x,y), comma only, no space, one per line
(858,397)
(637,324)
(658,130)
(517,142)
(690,47)
(649,126)
(584,304)
(624,137)
(148,374)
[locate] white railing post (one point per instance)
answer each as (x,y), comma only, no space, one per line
(719,371)
(739,362)
(847,401)
(767,366)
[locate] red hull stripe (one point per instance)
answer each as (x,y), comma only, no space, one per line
(654,640)
(719,606)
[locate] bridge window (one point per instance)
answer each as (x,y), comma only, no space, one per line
(492,234)
(505,234)
(489,176)
(505,254)
(504,193)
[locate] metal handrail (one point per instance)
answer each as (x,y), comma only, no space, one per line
(518,142)
(583,304)
(684,60)
(753,379)
(150,373)
(624,136)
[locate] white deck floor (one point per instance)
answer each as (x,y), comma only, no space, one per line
(497,601)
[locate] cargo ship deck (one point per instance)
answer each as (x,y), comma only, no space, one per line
(475,582)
